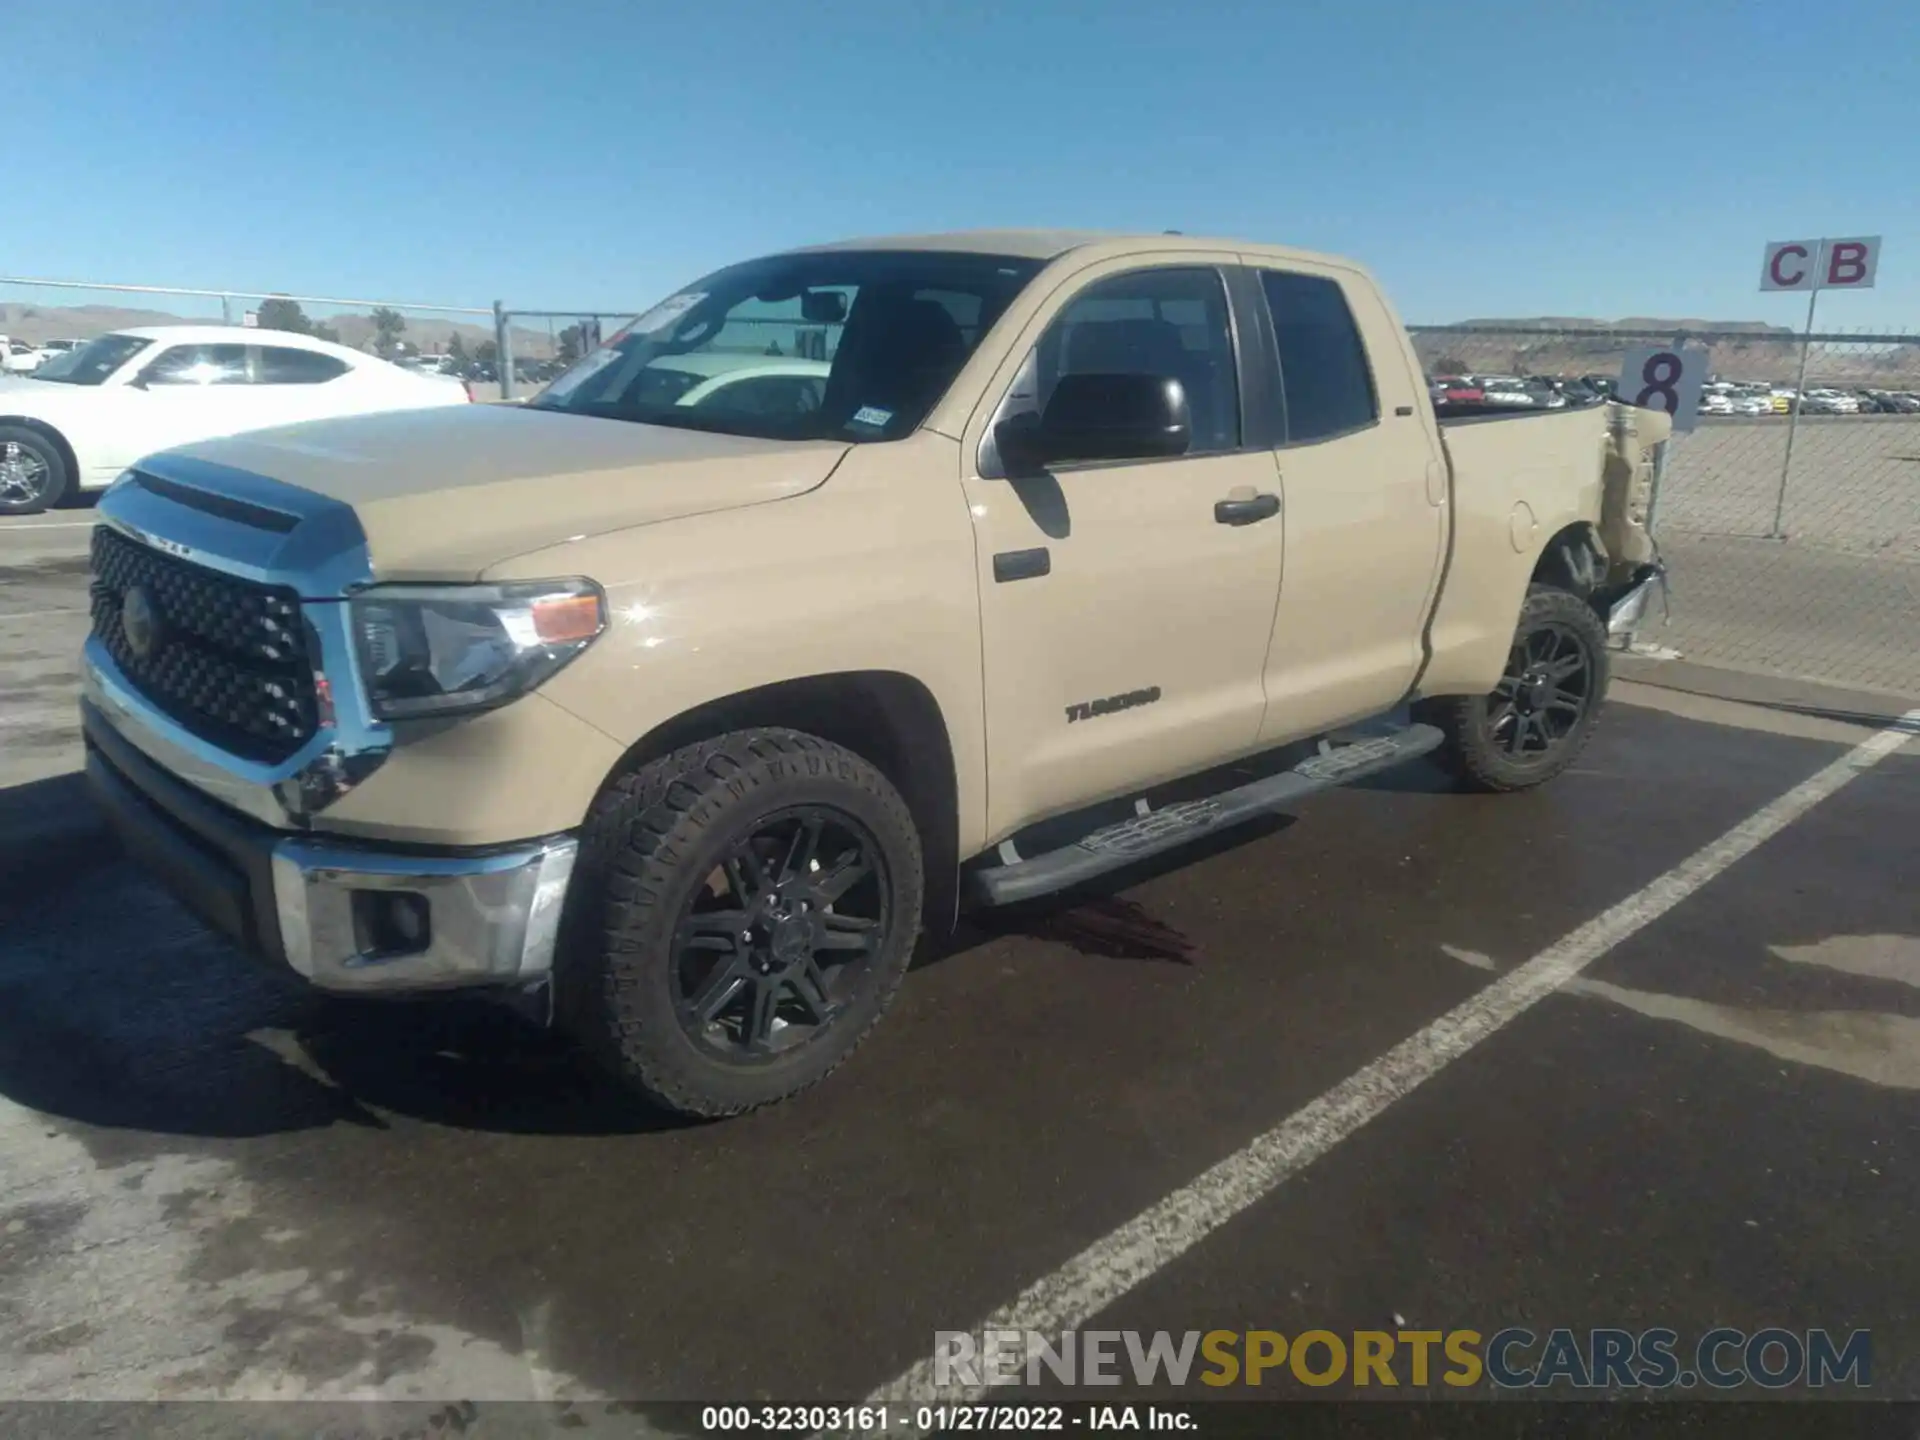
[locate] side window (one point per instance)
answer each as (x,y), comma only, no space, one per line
(1170,321)
(1323,364)
(199,365)
(282,366)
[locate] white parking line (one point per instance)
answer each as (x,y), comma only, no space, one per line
(1152,1240)
(56,525)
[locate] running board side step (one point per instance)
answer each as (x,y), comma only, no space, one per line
(1153,832)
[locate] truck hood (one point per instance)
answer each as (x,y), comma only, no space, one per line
(445,493)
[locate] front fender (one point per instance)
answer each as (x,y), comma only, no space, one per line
(873,571)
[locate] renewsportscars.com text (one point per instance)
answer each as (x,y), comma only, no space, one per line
(1513,1358)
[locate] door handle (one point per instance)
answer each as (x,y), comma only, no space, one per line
(1022,564)
(1249,511)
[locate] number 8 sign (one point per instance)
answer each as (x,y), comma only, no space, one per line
(1665,378)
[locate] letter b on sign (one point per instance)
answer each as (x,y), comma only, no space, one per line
(1849,264)
(1665,378)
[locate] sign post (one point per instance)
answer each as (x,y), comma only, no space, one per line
(1812,266)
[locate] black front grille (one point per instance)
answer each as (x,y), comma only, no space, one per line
(227,658)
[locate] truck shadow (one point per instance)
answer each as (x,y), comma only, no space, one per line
(121,1013)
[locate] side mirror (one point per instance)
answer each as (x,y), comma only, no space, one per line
(1100,417)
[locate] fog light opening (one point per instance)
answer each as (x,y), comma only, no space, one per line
(390,923)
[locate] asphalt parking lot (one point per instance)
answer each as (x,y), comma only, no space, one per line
(1638,1050)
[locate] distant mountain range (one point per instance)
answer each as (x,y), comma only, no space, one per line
(1663,327)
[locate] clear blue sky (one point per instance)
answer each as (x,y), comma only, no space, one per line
(1602,159)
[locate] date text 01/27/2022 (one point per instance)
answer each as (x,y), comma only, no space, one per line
(881,1419)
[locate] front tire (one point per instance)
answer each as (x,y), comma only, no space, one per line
(1535,722)
(33,473)
(744,911)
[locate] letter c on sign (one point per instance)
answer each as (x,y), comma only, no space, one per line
(1786,282)
(1846,263)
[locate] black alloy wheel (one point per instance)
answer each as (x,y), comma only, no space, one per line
(1544,694)
(781,938)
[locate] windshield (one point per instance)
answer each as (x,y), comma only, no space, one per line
(834,345)
(93,362)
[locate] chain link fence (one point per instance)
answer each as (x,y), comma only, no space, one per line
(1805,567)
(35,311)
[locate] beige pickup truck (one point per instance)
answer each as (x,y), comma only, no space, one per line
(678,717)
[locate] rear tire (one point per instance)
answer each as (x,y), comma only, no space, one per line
(1538,719)
(33,473)
(743,913)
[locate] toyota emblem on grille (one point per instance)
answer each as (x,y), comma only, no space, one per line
(140,619)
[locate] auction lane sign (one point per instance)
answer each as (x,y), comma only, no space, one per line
(1665,377)
(1829,264)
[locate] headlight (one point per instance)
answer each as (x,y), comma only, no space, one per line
(448,649)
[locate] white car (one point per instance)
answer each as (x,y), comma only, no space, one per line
(83,417)
(1716,402)
(17,357)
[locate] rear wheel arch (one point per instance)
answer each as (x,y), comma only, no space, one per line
(1573,560)
(886,717)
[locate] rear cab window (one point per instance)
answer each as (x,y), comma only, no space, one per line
(1324,372)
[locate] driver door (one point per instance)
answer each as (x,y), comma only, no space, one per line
(185,393)
(1125,617)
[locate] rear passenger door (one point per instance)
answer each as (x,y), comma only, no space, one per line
(1364,488)
(183,394)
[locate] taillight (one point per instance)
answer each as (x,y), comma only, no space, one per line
(467,385)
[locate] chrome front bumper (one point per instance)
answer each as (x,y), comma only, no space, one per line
(315,905)
(491,919)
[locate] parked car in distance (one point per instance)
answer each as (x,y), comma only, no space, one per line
(678,729)
(1716,402)
(1828,402)
(81,419)
(431,365)
(17,357)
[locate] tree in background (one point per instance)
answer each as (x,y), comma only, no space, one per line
(569,345)
(387,327)
(486,352)
(457,350)
(282,314)
(323,332)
